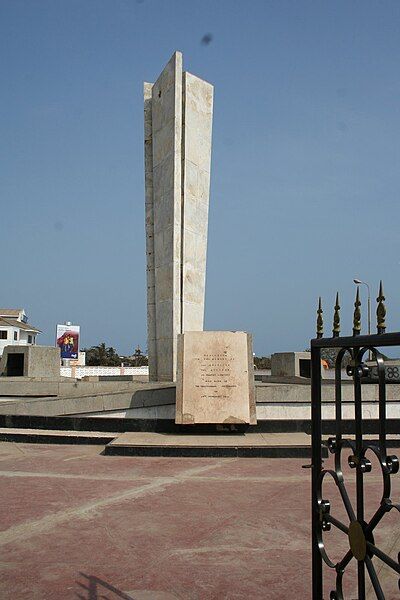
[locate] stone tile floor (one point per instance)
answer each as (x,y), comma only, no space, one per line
(76,524)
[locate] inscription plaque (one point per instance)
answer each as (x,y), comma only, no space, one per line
(215,381)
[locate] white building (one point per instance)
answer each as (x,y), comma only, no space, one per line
(15,329)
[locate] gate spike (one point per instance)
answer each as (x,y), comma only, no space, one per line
(320,320)
(336,318)
(357,314)
(381,310)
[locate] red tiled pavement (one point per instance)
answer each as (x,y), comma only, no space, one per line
(76,524)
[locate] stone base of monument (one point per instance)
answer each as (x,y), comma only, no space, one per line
(272,445)
(156,437)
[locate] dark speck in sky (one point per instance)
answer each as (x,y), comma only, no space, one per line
(206,39)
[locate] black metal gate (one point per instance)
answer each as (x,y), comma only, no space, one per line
(360,534)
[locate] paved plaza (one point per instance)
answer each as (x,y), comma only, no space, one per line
(77,524)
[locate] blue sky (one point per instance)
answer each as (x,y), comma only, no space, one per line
(305,166)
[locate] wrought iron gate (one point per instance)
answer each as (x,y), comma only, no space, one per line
(360,533)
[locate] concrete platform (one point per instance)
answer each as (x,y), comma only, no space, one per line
(274,445)
(244,445)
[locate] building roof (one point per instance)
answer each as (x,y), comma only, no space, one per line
(18,324)
(11,312)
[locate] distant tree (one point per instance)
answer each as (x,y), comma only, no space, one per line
(101,355)
(262,362)
(330,355)
(138,359)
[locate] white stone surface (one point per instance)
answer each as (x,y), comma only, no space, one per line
(167,140)
(178,123)
(198,109)
(149,217)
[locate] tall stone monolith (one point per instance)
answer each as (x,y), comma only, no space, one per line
(178,122)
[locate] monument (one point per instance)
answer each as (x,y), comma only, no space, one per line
(215,369)
(178,123)
(215,378)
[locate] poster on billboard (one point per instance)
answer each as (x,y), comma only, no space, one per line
(67,340)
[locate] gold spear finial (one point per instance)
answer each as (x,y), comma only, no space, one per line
(357,314)
(381,310)
(320,320)
(336,318)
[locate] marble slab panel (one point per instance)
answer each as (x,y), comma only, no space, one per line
(166,105)
(215,381)
(197,132)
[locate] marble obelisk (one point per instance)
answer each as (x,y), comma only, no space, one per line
(178,123)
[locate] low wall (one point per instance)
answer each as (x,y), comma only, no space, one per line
(88,371)
(157,401)
(21,388)
(89,398)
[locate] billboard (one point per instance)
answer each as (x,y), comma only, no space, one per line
(67,339)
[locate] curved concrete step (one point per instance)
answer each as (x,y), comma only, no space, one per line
(55,436)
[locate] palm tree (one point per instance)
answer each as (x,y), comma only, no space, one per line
(139,359)
(101,355)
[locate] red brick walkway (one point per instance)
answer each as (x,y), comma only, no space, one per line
(76,524)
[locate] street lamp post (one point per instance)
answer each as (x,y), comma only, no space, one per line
(359,282)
